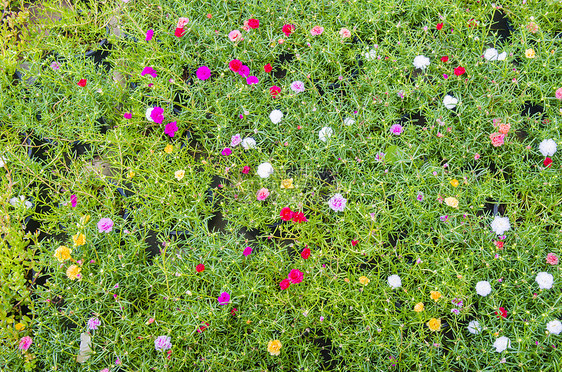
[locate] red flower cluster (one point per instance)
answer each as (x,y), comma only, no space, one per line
(439,26)
(267,68)
(305,253)
(287,214)
(235,65)
(444,59)
(294,277)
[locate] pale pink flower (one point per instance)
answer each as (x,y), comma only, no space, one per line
(235,140)
(497,139)
(476,156)
(297,86)
(552,259)
(396,129)
(262,194)
(105,225)
(559,93)
(337,203)
(317,30)
(345,33)
(235,36)
(182,21)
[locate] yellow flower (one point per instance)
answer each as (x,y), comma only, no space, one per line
(455,183)
(73,272)
(79,239)
(168,149)
(530,53)
(287,184)
(435,295)
(274,347)
(364,280)
(62,253)
(84,219)
(179,174)
(131,174)
(452,202)
(419,307)
(434,324)
(20,326)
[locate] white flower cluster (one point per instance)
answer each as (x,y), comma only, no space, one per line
(491,54)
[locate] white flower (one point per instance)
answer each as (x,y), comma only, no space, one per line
(491,54)
(297,86)
(248,143)
(325,133)
(20,200)
(483,288)
(554,327)
(265,170)
(348,121)
(547,147)
(421,62)
(276,116)
(474,327)
(502,56)
(500,225)
(502,343)
(450,102)
(370,55)
(2,161)
(394,281)
(148,112)
(544,280)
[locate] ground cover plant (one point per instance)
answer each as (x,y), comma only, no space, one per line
(280,186)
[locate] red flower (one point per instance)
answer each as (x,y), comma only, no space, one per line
(299,217)
(267,68)
(503,312)
(547,162)
(499,244)
(285,283)
(444,59)
(274,91)
(82,82)
(202,328)
(354,242)
(459,71)
(439,26)
(179,32)
(200,268)
(295,276)
(233,311)
(235,65)
(286,214)
(246,169)
(305,253)
(253,23)
(288,29)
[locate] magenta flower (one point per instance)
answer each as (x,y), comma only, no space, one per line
(247,251)
(203,73)
(252,80)
(224,298)
(226,151)
(246,169)
(150,71)
(55,65)
(25,343)
(157,115)
(73,200)
(171,129)
(149,35)
(262,194)
(337,203)
(396,129)
(244,71)
(295,276)
(162,343)
(127,115)
(105,225)
(93,323)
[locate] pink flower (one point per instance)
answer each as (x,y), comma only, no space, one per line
(559,93)
(157,115)
(127,115)
(235,36)
(299,217)
(252,80)
(235,140)
(317,30)
(295,276)
(105,225)
(25,343)
(337,203)
(285,283)
(262,194)
(286,214)
(247,251)
(288,29)
(149,35)
(244,71)
(203,73)
(226,152)
(551,259)
(396,129)
(497,139)
(297,86)
(476,156)
(150,71)
(202,328)
(55,66)
(182,21)
(93,323)
(345,33)
(171,129)
(253,23)
(274,91)
(224,298)
(246,169)
(73,200)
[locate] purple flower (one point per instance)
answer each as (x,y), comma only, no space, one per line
(149,34)
(235,140)
(150,71)
(244,71)
(455,311)
(171,128)
(420,196)
(396,129)
(203,73)
(73,200)
(93,323)
(252,80)
(105,225)
(247,251)
(337,203)
(224,298)
(444,218)
(55,65)
(445,76)
(226,151)
(127,115)
(162,343)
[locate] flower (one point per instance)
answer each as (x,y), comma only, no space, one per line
(418,308)
(149,35)
(82,82)
(345,33)
(503,312)
(162,343)
(202,327)
(454,183)
(171,128)
(286,214)
(149,71)
(274,91)
(105,225)
(287,184)
(317,30)
(504,128)
(182,22)
(394,281)
(420,196)
(497,139)
(235,65)
(491,54)
(500,225)
(224,298)
(439,26)
(79,239)
(244,71)
(179,32)
(364,280)
(547,162)
(20,201)
(325,133)
(285,283)
(305,253)
(127,115)
(262,194)
(55,65)
(245,169)
(337,203)
(93,323)
(226,151)
(444,59)
(73,200)
(502,343)
(444,218)
(73,272)
(247,251)
(288,29)
(421,62)
(253,23)
(544,280)
(348,121)
(299,217)
(235,140)
(235,35)
(450,102)
(396,129)
(459,71)
(297,86)
(25,343)
(62,253)
(274,347)
(434,324)
(203,73)
(474,327)
(483,288)
(547,147)
(551,259)
(252,80)
(558,94)
(532,27)
(295,276)
(248,143)
(452,202)
(155,114)
(275,116)
(435,295)
(199,268)
(267,68)
(370,55)
(530,53)
(554,327)
(264,169)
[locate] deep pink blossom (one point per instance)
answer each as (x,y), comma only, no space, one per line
(224,298)
(226,151)
(295,276)
(252,80)
(73,200)
(127,115)
(171,128)
(244,71)
(150,71)
(25,343)
(149,34)
(157,114)
(247,251)
(203,73)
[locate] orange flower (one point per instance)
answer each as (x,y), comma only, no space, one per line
(435,295)
(434,324)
